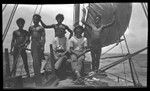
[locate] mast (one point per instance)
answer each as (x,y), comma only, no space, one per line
(76,14)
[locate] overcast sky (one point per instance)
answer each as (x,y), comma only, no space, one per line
(136,34)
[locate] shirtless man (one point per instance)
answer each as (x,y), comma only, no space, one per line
(20,41)
(94,40)
(37,34)
(60,30)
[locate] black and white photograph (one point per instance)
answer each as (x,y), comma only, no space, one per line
(77,45)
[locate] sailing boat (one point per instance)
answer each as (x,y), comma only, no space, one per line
(110,36)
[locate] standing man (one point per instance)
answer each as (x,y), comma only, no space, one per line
(94,38)
(37,34)
(20,41)
(60,30)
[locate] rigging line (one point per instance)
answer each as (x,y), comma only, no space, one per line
(135,72)
(9,21)
(130,63)
(120,77)
(104,68)
(123,63)
(110,49)
(118,56)
(4,7)
(34,13)
(144,10)
(40,9)
(145,5)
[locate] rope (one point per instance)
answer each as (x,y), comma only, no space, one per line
(120,77)
(144,10)
(131,65)
(40,9)
(123,64)
(145,5)
(4,7)
(9,21)
(135,72)
(114,56)
(109,49)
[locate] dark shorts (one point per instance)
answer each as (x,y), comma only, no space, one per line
(96,44)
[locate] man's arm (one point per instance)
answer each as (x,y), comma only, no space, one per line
(71,44)
(46,26)
(13,41)
(83,18)
(29,34)
(109,24)
(70,31)
(43,37)
(28,38)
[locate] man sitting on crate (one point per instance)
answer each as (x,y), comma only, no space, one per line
(78,46)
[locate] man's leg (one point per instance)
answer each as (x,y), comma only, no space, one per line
(36,63)
(61,68)
(15,59)
(93,59)
(25,62)
(58,63)
(97,61)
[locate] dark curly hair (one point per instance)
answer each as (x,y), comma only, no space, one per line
(78,28)
(20,21)
(36,15)
(61,16)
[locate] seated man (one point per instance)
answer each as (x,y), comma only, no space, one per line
(78,45)
(61,55)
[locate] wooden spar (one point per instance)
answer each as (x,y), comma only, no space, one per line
(76,14)
(114,56)
(52,57)
(7,63)
(120,61)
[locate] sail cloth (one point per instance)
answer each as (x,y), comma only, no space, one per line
(112,34)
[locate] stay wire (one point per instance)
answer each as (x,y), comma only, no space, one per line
(4,7)
(123,64)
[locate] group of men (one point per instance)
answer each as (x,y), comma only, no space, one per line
(65,57)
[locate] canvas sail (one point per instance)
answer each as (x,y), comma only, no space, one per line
(112,34)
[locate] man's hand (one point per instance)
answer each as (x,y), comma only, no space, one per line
(11,52)
(84,11)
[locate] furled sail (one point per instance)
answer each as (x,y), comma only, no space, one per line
(112,34)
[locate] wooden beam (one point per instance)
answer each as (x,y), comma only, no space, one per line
(7,63)
(76,14)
